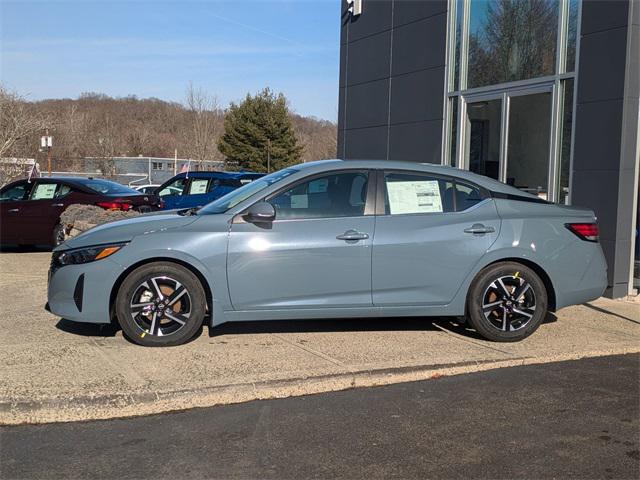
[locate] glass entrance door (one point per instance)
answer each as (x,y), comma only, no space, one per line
(528,143)
(507,136)
(483,142)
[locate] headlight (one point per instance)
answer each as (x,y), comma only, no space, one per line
(84,255)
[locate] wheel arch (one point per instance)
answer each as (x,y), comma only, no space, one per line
(544,276)
(203,281)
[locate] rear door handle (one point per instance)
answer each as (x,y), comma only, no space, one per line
(479,229)
(352,235)
(14,210)
(58,205)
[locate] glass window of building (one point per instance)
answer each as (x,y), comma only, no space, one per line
(511,40)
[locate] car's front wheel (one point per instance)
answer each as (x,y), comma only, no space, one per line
(507,302)
(160,304)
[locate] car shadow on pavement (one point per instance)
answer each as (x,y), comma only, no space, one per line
(88,329)
(25,249)
(387,324)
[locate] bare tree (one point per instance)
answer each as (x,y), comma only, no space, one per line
(17,120)
(205,116)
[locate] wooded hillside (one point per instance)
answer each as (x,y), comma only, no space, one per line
(96,125)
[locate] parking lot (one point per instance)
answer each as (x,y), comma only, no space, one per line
(55,370)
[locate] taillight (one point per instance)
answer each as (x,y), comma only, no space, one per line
(124,206)
(585,231)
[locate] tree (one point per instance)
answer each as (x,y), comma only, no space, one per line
(17,120)
(259,135)
(204,113)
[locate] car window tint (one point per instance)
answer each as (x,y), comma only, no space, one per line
(44,191)
(17,192)
(198,186)
(63,190)
(174,188)
(415,193)
(466,196)
(330,196)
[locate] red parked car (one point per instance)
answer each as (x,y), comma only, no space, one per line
(30,210)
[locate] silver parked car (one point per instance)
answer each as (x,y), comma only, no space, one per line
(336,239)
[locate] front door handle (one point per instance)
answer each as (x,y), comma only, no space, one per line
(58,205)
(14,210)
(479,229)
(353,235)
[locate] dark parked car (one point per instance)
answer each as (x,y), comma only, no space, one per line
(195,189)
(30,210)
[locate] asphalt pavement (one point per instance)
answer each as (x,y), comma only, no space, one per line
(573,419)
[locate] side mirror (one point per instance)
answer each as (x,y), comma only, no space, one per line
(261,212)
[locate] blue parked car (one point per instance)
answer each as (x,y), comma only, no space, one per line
(336,239)
(195,189)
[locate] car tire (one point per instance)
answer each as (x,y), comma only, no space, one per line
(154,311)
(59,235)
(507,302)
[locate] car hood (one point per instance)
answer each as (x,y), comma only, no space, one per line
(125,230)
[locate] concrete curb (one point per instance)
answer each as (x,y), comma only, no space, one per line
(81,408)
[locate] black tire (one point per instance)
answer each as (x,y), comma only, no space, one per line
(145,326)
(59,235)
(493,309)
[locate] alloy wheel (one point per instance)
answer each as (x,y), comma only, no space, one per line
(160,306)
(509,303)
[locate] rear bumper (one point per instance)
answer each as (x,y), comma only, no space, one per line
(589,286)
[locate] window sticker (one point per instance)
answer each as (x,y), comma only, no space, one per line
(44,191)
(198,186)
(414,197)
(319,186)
(299,201)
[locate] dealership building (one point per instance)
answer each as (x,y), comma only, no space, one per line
(540,94)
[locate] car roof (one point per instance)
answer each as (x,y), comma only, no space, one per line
(217,174)
(436,169)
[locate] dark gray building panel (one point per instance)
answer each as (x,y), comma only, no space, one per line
(602,65)
(604,15)
(407,11)
(368,59)
(412,98)
(366,143)
(368,105)
(416,142)
(420,45)
(605,150)
(376,20)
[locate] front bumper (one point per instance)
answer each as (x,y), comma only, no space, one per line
(82,292)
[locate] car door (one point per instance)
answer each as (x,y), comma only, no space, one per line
(12,201)
(41,212)
(317,252)
(430,232)
(171,193)
(196,193)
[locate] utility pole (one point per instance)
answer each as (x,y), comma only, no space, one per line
(268,155)
(47,142)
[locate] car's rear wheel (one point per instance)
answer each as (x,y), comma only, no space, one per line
(161,304)
(507,302)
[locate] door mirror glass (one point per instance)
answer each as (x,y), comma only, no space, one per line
(261,212)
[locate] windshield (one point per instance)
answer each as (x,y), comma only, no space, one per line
(108,188)
(233,198)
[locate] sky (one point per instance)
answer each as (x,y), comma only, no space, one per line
(60,49)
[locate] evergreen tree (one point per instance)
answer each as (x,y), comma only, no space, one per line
(258,133)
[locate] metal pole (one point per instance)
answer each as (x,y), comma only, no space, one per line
(175,161)
(48,152)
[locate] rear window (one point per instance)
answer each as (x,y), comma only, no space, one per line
(107,187)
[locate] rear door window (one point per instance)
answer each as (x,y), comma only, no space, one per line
(409,193)
(44,191)
(198,186)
